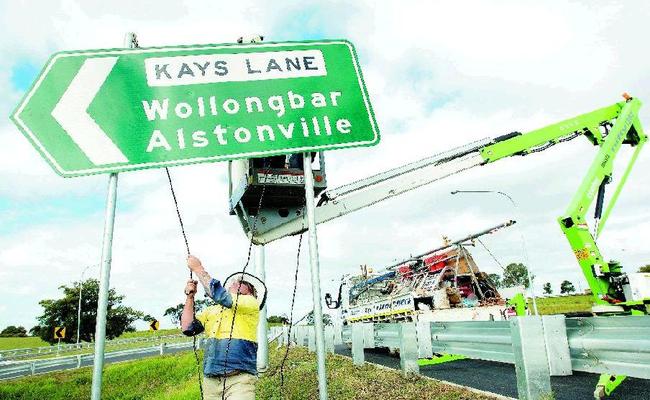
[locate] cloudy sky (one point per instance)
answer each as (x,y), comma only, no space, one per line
(440,74)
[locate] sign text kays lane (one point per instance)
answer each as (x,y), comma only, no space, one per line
(115,110)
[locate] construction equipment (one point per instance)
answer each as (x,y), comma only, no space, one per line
(284,185)
(608,129)
(443,284)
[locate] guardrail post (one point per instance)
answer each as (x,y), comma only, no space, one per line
(358,357)
(311,343)
(408,348)
(300,336)
(338,334)
(368,335)
(557,345)
(33,368)
(162,348)
(280,339)
(531,360)
(329,339)
(425,349)
(78,360)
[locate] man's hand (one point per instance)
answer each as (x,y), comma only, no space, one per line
(194,264)
(190,287)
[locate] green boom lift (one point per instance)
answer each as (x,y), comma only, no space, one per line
(609,128)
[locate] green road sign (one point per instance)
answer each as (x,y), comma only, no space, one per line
(100,111)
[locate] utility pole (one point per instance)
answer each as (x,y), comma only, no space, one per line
(81,282)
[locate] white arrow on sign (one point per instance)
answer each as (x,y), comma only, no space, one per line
(72,112)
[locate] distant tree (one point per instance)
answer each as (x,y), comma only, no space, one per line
(35,331)
(567,287)
(645,268)
(327,319)
(63,312)
(13,331)
(174,313)
(278,319)
(496,279)
(547,288)
(515,274)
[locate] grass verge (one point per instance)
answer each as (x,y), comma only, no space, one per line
(174,377)
(8,343)
(562,305)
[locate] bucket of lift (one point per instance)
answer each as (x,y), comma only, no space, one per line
(282,181)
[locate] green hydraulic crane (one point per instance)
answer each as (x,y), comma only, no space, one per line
(608,128)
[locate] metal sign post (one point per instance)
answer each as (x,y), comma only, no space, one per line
(262,325)
(105,274)
(102,305)
(315,277)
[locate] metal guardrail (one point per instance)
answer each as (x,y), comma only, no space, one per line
(539,347)
(483,340)
(14,369)
(611,345)
(14,354)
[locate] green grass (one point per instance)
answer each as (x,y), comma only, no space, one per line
(562,305)
(8,343)
(174,377)
(25,342)
(161,332)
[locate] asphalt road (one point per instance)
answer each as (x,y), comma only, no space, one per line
(500,378)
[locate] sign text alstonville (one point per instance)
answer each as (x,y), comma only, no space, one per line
(102,111)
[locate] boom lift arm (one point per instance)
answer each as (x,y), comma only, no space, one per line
(607,128)
(621,125)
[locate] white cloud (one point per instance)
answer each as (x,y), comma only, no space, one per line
(439,74)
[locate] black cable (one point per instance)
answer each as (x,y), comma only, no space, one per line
(178,213)
(491,255)
(248,259)
(293,300)
(187,248)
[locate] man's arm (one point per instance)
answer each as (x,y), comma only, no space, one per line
(194,264)
(189,325)
(212,287)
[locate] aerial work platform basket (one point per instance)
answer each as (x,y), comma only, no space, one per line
(281,179)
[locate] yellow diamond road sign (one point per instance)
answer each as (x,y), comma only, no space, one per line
(154,325)
(59,332)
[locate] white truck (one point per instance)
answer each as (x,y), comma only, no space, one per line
(442,284)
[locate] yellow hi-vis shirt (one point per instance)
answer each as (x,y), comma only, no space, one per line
(217,319)
(223,354)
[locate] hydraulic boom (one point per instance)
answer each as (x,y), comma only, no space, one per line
(608,129)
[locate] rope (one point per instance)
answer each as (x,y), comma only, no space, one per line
(293,301)
(178,213)
(248,259)
(491,255)
(187,248)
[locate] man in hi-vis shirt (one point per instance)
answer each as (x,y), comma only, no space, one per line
(239,369)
